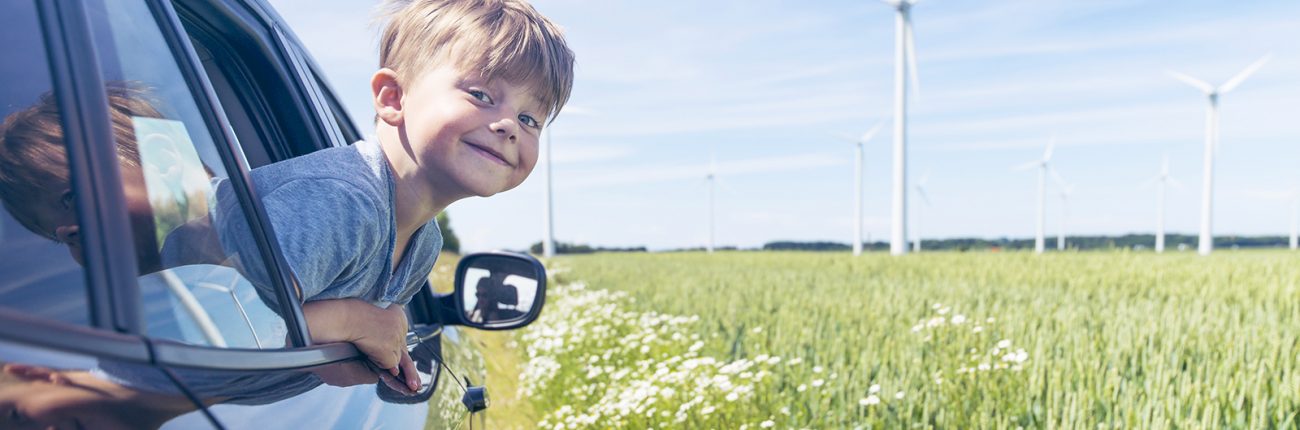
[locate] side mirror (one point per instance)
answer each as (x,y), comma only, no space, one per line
(495,291)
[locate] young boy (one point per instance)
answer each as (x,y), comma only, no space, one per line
(463,91)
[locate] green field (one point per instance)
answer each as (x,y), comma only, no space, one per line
(937,340)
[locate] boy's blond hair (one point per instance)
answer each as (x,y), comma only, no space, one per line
(501,39)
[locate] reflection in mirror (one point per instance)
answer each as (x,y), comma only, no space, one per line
(498,290)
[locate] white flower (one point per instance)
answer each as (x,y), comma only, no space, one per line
(899,395)
(707,410)
(875,388)
(795,361)
(767,424)
(977,329)
(817,369)
(802,388)
(936,306)
(958,319)
(732,396)
(818,382)
(944,311)
(984,366)
(785,410)
(758,329)
(1004,344)
(869,400)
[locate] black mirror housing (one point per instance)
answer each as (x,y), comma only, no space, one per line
(496,290)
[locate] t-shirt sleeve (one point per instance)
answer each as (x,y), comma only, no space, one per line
(326,229)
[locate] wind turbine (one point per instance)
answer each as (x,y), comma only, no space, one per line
(858,143)
(920,191)
(1041,164)
(904,63)
(1066,190)
(1206,241)
(1161,181)
(711,177)
(548,245)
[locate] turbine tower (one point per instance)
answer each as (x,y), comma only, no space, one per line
(711,177)
(904,64)
(1295,214)
(1206,240)
(858,143)
(1042,166)
(920,191)
(548,245)
(1161,181)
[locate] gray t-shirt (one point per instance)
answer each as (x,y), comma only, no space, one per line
(332,212)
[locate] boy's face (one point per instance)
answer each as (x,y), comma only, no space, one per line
(476,136)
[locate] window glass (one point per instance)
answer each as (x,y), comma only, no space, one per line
(200,283)
(40,248)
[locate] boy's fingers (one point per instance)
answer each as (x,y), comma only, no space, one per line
(408,369)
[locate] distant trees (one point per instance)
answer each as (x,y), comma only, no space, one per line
(449,240)
(574,248)
(1129,241)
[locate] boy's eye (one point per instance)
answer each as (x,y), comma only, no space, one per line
(481,96)
(528,121)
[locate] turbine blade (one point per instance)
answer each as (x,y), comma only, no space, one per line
(910,51)
(871,133)
(1047,154)
(1174,182)
(925,177)
(1149,183)
(1250,70)
(1056,177)
(1205,87)
(924,197)
(845,137)
(1164,166)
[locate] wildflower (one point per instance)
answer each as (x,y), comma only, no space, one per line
(796,360)
(899,395)
(802,388)
(944,311)
(818,382)
(707,410)
(767,424)
(785,410)
(869,400)
(732,396)
(758,329)
(936,306)
(817,369)
(1004,344)
(958,319)
(977,329)
(875,388)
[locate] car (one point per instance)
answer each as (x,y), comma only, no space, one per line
(119,306)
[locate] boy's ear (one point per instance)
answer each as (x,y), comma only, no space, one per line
(386,93)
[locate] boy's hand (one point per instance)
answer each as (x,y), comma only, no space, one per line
(378,333)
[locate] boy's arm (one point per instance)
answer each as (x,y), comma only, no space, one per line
(379,333)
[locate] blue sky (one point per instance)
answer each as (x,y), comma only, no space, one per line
(764,86)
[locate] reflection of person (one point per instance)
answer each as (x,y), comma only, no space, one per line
(36,185)
(491,293)
(37,397)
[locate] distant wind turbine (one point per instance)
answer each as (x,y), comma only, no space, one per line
(1295,216)
(548,243)
(1161,181)
(1206,243)
(858,143)
(711,177)
(904,63)
(1066,190)
(1042,166)
(920,191)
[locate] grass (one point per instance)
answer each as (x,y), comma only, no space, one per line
(937,340)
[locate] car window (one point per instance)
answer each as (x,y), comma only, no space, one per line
(39,241)
(195,276)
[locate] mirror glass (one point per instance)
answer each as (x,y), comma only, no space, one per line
(498,290)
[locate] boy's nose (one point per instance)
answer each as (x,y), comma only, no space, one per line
(506,129)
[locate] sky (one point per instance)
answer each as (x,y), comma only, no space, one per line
(766,88)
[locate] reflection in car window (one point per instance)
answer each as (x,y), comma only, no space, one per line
(39,239)
(193,289)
